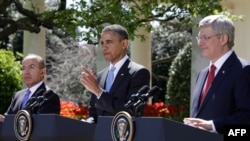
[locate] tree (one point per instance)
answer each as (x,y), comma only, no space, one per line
(95,14)
(10,78)
(167,40)
(178,85)
(64,58)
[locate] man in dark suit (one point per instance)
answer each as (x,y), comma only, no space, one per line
(227,100)
(129,76)
(33,73)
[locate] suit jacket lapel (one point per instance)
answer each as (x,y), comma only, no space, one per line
(36,94)
(20,100)
(103,78)
(120,75)
(199,86)
(42,87)
(224,70)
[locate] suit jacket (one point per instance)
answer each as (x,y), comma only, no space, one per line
(52,105)
(228,99)
(129,79)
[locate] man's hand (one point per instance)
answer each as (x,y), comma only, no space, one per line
(2,118)
(199,123)
(89,81)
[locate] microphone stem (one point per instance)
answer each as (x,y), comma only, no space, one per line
(138,110)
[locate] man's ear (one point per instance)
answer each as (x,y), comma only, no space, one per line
(224,39)
(43,71)
(125,43)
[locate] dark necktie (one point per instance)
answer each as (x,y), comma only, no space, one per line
(110,78)
(210,79)
(26,98)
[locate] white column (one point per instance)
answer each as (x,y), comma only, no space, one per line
(242,30)
(141,50)
(35,42)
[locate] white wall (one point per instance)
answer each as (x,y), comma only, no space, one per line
(242,28)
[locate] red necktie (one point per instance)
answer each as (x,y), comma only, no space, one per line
(210,79)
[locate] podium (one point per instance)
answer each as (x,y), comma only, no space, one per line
(51,127)
(156,129)
(1,125)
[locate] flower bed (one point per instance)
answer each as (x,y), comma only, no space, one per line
(73,110)
(78,111)
(162,110)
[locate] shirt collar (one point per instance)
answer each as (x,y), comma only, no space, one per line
(218,64)
(119,64)
(34,88)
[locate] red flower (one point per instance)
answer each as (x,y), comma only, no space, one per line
(162,110)
(79,111)
(73,110)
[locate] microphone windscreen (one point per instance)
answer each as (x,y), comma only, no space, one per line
(48,94)
(143,89)
(32,99)
(40,91)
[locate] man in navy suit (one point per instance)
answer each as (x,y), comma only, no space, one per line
(129,76)
(33,73)
(227,100)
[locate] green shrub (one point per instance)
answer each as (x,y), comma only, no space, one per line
(10,78)
(178,85)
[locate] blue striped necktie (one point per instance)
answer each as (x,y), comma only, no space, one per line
(110,78)
(26,98)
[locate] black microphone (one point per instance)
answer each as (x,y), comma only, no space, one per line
(135,97)
(33,99)
(39,100)
(144,97)
(47,95)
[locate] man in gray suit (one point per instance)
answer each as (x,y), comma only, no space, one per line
(129,76)
(226,100)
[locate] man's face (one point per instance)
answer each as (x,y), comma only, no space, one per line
(210,44)
(31,72)
(113,47)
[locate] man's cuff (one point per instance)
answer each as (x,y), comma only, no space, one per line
(213,127)
(100,94)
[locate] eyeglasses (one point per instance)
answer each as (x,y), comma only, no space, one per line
(205,38)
